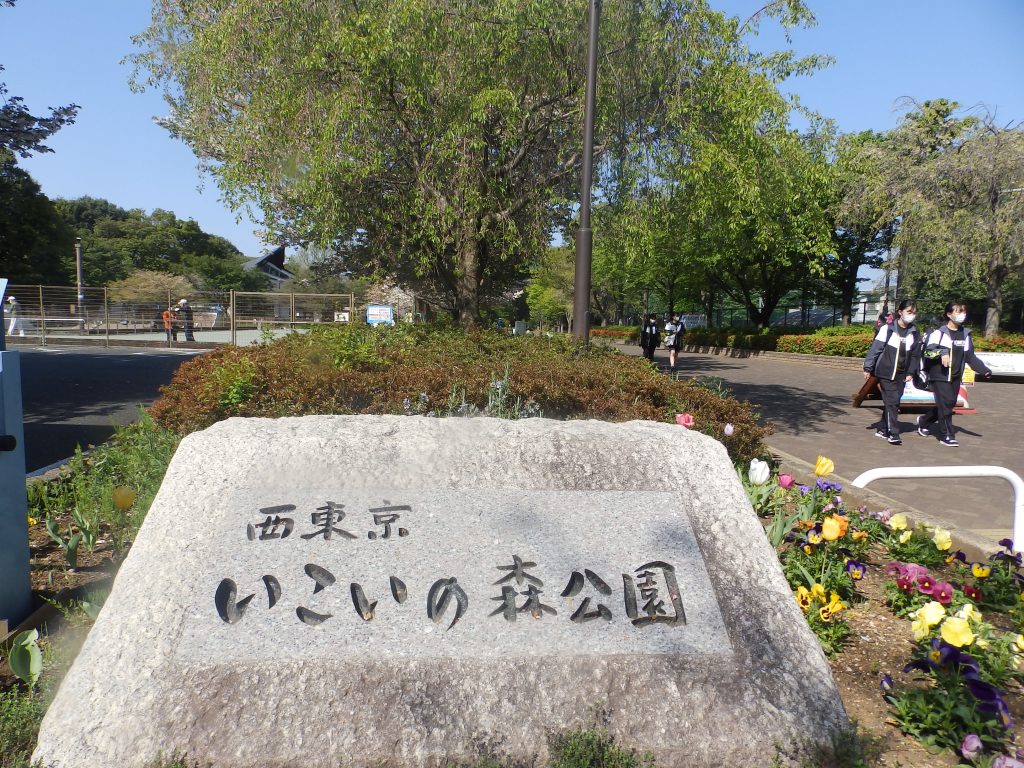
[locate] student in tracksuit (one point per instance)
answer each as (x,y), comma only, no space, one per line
(892,358)
(650,336)
(946,350)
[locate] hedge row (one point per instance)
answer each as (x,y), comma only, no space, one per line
(425,370)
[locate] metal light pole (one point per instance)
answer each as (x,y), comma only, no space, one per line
(585,237)
(78,276)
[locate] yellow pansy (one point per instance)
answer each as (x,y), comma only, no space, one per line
(824,467)
(1018,643)
(920,630)
(980,642)
(859,535)
(818,593)
(830,529)
(942,539)
(32,521)
(980,570)
(931,613)
(803,598)
(956,632)
(969,613)
(825,613)
(814,537)
(905,536)
(898,522)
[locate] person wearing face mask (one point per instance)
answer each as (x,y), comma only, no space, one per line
(947,350)
(891,359)
(650,336)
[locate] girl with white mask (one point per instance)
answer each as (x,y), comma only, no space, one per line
(892,359)
(948,349)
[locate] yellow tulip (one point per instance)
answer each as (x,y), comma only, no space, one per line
(824,467)
(898,522)
(942,539)
(123,497)
(956,632)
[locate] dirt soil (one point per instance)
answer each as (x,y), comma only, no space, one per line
(880,644)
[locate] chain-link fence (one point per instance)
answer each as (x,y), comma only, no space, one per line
(42,314)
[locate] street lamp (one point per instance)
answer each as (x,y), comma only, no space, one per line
(78,275)
(585,237)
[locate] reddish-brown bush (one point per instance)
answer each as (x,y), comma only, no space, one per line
(421,369)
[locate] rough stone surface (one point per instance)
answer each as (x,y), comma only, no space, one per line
(347,667)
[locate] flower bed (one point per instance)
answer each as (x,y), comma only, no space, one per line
(960,684)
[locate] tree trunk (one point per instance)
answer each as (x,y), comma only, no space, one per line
(467,285)
(994,297)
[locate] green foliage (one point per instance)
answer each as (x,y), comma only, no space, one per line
(35,244)
(25,658)
(593,749)
(67,541)
(918,547)
(444,149)
(21,712)
(135,458)
(358,369)
(121,242)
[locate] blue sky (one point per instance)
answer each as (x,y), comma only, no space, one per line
(61,51)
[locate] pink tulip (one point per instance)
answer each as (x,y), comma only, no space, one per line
(684,419)
(786,481)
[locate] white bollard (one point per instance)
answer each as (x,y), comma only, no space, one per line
(980,470)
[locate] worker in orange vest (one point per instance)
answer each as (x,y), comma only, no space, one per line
(169,329)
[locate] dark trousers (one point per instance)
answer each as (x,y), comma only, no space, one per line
(945,393)
(648,352)
(892,391)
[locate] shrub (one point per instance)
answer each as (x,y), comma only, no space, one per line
(355,369)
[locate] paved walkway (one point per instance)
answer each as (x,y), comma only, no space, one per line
(810,406)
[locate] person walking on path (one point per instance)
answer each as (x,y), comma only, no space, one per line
(168,317)
(946,351)
(892,358)
(187,319)
(674,330)
(14,313)
(650,337)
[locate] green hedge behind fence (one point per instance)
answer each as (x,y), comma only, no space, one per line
(839,341)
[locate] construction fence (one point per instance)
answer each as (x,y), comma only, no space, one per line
(60,315)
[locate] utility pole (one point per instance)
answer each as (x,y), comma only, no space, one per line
(585,237)
(78,280)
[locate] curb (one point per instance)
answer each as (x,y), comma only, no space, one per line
(974,546)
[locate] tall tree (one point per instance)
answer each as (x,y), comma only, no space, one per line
(21,132)
(435,142)
(960,191)
(36,246)
(863,221)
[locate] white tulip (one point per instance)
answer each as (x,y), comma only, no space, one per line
(760,472)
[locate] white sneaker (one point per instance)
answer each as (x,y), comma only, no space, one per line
(922,431)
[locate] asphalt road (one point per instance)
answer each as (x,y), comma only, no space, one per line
(76,396)
(811,409)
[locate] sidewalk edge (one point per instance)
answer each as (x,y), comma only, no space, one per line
(972,544)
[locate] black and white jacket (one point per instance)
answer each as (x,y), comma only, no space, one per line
(894,352)
(940,342)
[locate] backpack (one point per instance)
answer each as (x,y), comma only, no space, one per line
(921,374)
